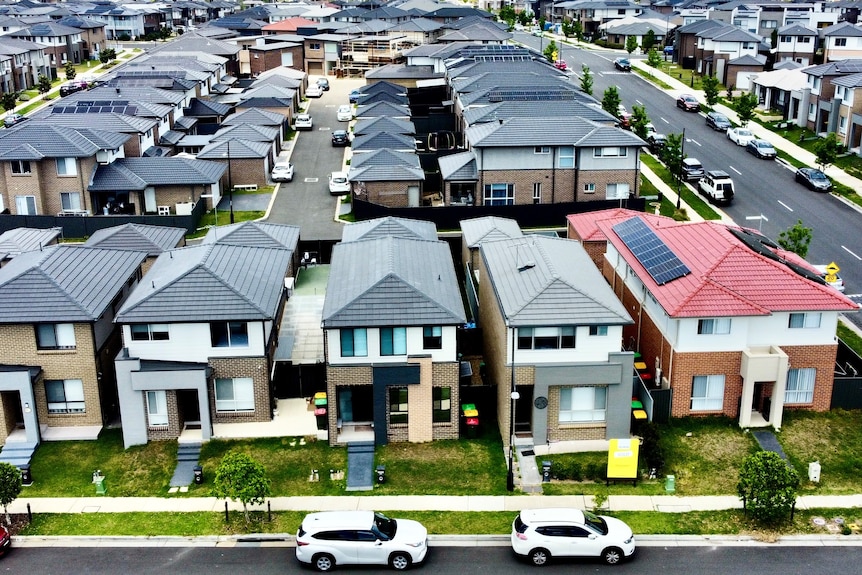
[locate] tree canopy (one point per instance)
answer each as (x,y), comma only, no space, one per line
(239,477)
(10,486)
(796,239)
(611,101)
(767,485)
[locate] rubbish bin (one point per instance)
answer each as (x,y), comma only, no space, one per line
(101,488)
(26,477)
(546,472)
(381,473)
(670,484)
(199,475)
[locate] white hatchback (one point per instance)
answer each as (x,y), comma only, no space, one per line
(542,534)
(344,113)
(338,183)
(740,136)
(331,538)
(303,122)
(313,91)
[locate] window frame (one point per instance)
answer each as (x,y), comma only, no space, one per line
(606,152)
(803,380)
(441,405)
(432,337)
(239,405)
(565,338)
(542,150)
(714,326)
(711,400)
(70,167)
(491,194)
(21,167)
(76,404)
(401,415)
(154,332)
(393,341)
(65,331)
(598,330)
(30,204)
(570,410)
(349,346)
(234,334)
(566,157)
(70,199)
(157,408)
(808,320)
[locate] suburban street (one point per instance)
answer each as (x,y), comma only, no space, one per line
(498,560)
(763,187)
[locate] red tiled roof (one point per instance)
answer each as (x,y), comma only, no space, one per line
(727,277)
(586,224)
(289,24)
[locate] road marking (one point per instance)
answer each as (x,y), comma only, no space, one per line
(311,180)
(639,103)
(735,170)
(851,253)
(695,142)
(663,120)
(788,208)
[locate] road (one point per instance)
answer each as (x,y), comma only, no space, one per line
(763,188)
(719,560)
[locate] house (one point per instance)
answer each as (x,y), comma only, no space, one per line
(20,240)
(785,89)
(475,231)
(823,105)
(842,41)
(57,305)
(62,43)
(388,178)
(221,372)
(553,333)
(591,13)
(390,318)
(149,240)
(796,43)
(726,321)
(718,46)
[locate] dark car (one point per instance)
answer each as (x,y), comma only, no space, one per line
(814,179)
(718,122)
(688,103)
(72,87)
(762,149)
(340,138)
(323,83)
(657,142)
(623,64)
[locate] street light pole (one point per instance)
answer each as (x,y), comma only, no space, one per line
(679,172)
(229,183)
(510,475)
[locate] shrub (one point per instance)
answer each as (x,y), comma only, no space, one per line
(596,472)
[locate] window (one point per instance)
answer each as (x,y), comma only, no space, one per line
(25,205)
(55,336)
(583,404)
(546,337)
(598,330)
(707,393)
(804,39)
(65,395)
(354,342)
(234,394)
(810,111)
(840,42)
(397,405)
(542,150)
(617,192)
(314,45)
(747,45)
(769,23)
(393,341)
(842,124)
(150,332)
(800,385)
(718,326)
(566,157)
(157,408)
(20,167)
(229,334)
(441,404)
(432,337)
(611,152)
(499,195)
(70,200)
(589,188)
(66,167)
(804,320)
(786,38)
(537,193)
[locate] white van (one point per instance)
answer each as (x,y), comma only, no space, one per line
(717,186)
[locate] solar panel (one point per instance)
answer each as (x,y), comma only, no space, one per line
(658,259)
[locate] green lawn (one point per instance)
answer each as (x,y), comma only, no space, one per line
(693,200)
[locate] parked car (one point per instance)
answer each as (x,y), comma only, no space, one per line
(72,87)
(5,540)
(338,183)
(692,169)
(13,119)
(340,138)
(657,142)
(561,65)
(814,179)
(303,122)
(282,172)
(330,538)
(740,136)
(717,186)
(688,103)
(542,534)
(625,119)
(761,148)
(354,96)
(833,280)
(344,113)
(623,64)
(536,32)
(323,83)
(718,121)
(313,91)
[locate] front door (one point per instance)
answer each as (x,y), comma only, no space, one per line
(188,406)
(524,410)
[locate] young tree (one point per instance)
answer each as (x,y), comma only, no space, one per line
(648,41)
(827,150)
(744,107)
(239,477)
(551,51)
(10,487)
(653,58)
(107,55)
(586,79)
(507,14)
(767,486)
(710,90)
(44,84)
(796,239)
(70,71)
(567,28)
(631,44)
(10,100)
(611,101)
(525,17)
(673,156)
(773,38)
(578,30)
(639,121)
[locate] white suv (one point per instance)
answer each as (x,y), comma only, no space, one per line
(331,538)
(542,534)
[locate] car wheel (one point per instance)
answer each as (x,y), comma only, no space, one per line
(612,555)
(540,557)
(323,562)
(400,561)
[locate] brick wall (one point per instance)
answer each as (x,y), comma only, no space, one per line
(390,194)
(688,365)
(448,375)
(44,183)
(285,111)
(340,376)
(243,171)
(822,358)
(173,428)
(557,185)
(601,179)
(569,431)
(253,367)
(263,60)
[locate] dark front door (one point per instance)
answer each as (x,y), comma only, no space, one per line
(524,410)
(188,406)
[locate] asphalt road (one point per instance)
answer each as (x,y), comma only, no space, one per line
(709,560)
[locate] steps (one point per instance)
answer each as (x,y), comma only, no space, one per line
(187,459)
(18,453)
(360,466)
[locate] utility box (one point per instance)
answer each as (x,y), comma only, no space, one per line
(381,473)
(546,472)
(199,474)
(26,476)
(101,488)
(814,472)
(670,484)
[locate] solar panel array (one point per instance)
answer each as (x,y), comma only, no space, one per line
(127,110)
(658,259)
(537,95)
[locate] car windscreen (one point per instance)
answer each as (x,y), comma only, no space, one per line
(385,526)
(596,522)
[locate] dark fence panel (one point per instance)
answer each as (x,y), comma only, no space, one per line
(847,385)
(661,404)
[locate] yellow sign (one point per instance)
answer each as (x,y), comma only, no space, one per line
(554,55)
(623,459)
(832,272)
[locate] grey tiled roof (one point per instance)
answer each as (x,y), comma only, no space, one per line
(210,282)
(459,167)
(63,283)
(385,157)
(389,226)
(392,282)
(255,234)
(391,125)
(151,240)
(265,103)
(256,117)
(489,228)
(549,281)
(797,30)
(848,81)
(185,122)
(138,173)
(382,110)
(247,132)
(493,112)
(128,93)
(36,141)
(198,107)
(268,92)
(381,140)
(520,132)
(235,150)
(18,240)
(386,173)
(842,29)
(111,122)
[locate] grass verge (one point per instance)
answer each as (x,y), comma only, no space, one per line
(693,200)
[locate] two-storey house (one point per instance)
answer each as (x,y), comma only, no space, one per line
(796,43)
(842,41)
